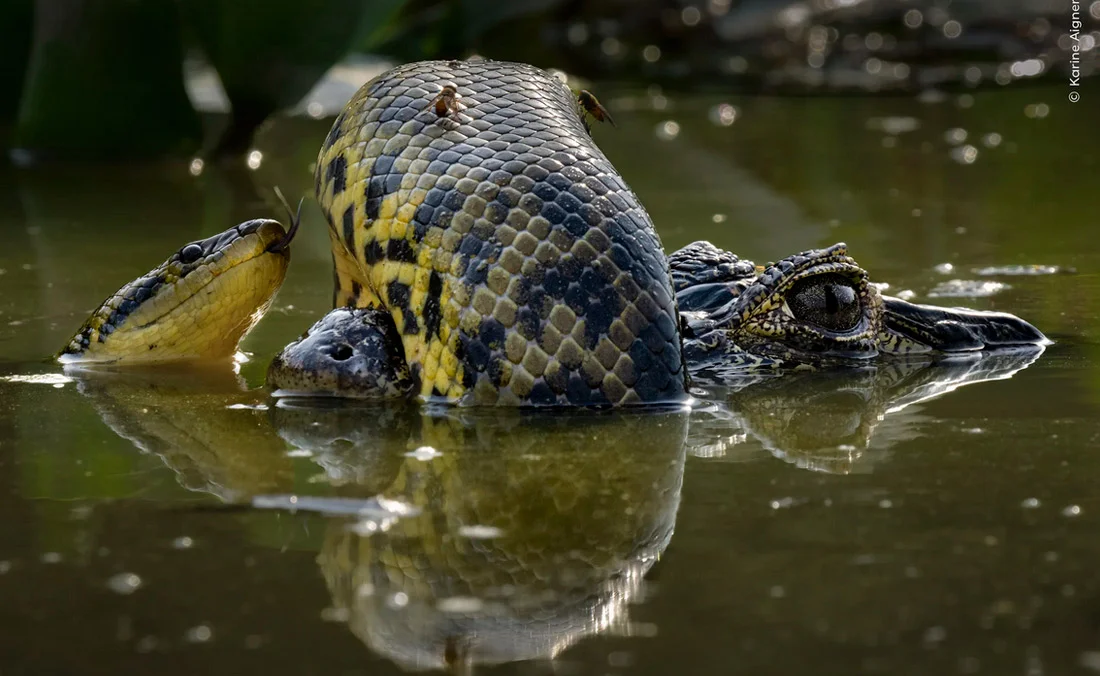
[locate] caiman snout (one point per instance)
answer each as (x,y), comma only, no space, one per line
(912,327)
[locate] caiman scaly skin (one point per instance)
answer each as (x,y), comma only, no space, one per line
(517,265)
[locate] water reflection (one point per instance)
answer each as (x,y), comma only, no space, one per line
(517,534)
(826,420)
(532,531)
(188,417)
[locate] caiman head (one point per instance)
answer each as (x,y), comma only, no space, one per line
(818,308)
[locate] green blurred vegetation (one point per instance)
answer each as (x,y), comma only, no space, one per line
(122,58)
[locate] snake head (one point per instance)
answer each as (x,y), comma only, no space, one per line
(818,308)
(197,304)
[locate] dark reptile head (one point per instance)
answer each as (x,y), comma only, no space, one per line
(818,307)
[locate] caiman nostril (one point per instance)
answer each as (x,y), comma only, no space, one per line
(342,352)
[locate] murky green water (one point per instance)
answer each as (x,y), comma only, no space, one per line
(905,521)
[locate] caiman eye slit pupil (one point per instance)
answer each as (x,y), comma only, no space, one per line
(190,253)
(829,301)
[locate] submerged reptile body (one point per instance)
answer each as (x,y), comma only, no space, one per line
(516,264)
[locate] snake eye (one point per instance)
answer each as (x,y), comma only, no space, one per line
(190,253)
(829,301)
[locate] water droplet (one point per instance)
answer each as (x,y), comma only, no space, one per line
(124,583)
(651,53)
(723,114)
(1030,503)
(783,503)
(1072,510)
(424,454)
(955,136)
(399,600)
(690,15)
(1026,68)
(183,542)
(247,407)
(315,109)
(777,592)
(255,159)
(913,18)
(944,268)
(480,532)
(1036,110)
(51,557)
(718,218)
(196,166)
(199,634)
(668,130)
(966,154)
(611,47)
(885,504)
(967,288)
(460,604)
(5,566)
(952,29)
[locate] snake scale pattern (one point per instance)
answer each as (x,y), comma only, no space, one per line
(516,264)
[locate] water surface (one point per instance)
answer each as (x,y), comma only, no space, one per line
(908,520)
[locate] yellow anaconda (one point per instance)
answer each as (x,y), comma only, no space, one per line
(517,265)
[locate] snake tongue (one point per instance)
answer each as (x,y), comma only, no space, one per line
(958,329)
(296,218)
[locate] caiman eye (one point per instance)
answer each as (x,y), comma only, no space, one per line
(190,253)
(828,301)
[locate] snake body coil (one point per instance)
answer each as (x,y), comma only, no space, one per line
(516,264)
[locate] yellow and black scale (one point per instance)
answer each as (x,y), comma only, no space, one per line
(517,265)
